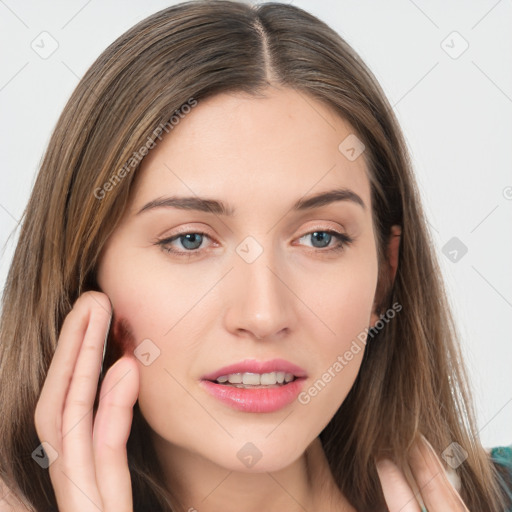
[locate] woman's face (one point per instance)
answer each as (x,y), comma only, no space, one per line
(267,282)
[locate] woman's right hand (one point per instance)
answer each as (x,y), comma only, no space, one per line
(90,471)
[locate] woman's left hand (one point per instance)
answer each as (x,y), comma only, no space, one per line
(436,490)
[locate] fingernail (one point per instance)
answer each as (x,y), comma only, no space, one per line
(453,478)
(105,344)
(383,464)
(429,446)
(450,473)
(425,440)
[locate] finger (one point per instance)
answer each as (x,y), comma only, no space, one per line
(112,426)
(75,475)
(50,405)
(397,493)
(49,411)
(435,487)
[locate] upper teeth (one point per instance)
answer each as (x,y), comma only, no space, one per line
(256,379)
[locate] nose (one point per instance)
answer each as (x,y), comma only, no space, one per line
(259,302)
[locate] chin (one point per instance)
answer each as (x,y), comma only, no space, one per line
(259,453)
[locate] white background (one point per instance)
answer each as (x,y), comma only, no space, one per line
(456,114)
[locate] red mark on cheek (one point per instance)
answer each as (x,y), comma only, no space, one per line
(120,342)
(122,337)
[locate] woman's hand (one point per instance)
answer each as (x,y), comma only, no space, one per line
(437,492)
(90,470)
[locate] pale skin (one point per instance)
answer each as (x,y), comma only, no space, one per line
(295,301)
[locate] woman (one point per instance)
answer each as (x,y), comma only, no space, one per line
(227,200)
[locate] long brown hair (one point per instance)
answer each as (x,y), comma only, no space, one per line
(412,378)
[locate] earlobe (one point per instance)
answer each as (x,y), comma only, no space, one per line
(391,265)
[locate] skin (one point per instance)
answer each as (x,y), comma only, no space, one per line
(295,301)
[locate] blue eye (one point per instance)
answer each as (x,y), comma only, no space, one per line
(192,241)
(324,237)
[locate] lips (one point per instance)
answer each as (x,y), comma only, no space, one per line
(257,387)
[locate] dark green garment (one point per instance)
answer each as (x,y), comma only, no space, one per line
(502,456)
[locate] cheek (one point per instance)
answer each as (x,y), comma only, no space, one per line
(344,306)
(342,298)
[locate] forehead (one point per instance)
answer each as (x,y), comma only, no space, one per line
(236,146)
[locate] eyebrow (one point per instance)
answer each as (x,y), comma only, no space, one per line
(220,208)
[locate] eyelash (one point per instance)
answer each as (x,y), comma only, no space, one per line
(343,242)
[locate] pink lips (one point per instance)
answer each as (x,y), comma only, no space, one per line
(258,400)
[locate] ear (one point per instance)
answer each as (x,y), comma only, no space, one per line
(389,271)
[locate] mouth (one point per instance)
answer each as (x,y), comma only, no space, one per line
(249,380)
(252,386)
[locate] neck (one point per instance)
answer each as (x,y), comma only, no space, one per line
(199,485)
